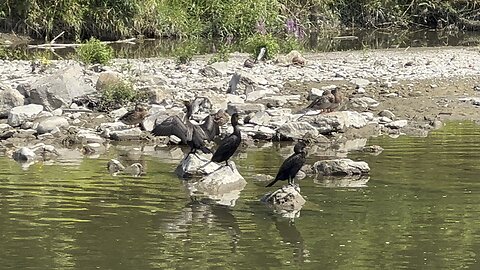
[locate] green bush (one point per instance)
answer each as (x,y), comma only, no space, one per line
(222,55)
(94,52)
(120,94)
(256,42)
(186,51)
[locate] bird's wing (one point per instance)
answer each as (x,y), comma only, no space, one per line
(226,146)
(210,128)
(291,163)
(173,125)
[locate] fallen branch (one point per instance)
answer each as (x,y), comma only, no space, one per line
(51,45)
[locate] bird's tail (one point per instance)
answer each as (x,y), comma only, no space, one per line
(272,183)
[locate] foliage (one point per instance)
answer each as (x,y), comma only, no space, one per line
(94,51)
(256,42)
(17,53)
(222,55)
(119,94)
(186,51)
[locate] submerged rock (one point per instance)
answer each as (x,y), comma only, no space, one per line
(341,167)
(24,154)
(357,181)
(114,167)
(286,201)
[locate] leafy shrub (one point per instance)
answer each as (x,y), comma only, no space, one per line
(185,52)
(119,94)
(94,52)
(222,55)
(257,41)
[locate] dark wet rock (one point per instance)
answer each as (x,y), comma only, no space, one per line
(286,201)
(196,165)
(24,154)
(357,181)
(363,103)
(8,133)
(21,114)
(127,134)
(341,167)
(114,167)
(9,98)
(244,108)
(397,124)
(388,114)
(60,88)
(297,130)
(48,124)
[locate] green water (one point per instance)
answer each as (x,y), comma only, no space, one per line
(419,210)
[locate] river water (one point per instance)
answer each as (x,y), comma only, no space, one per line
(419,210)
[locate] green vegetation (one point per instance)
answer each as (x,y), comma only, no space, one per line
(186,51)
(222,55)
(94,52)
(256,42)
(120,94)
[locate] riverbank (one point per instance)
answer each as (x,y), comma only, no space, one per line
(391,92)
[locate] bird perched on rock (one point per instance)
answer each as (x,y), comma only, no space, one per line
(135,116)
(338,99)
(323,102)
(229,144)
(189,133)
(291,165)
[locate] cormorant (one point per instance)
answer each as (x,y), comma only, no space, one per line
(291,165)
(229,145)
(190,134)
(135,116)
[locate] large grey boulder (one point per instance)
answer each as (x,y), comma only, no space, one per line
(364,103)
(60,88)
(337,121)
(9,98)
(48,124)
(341,167)
(297,130)
(21,114)
(107,79)
(126,134)
(287,201)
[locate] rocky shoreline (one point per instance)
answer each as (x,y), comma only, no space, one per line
(388,92)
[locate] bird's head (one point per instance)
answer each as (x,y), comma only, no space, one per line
(300,147)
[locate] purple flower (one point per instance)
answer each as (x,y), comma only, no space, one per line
(260,27)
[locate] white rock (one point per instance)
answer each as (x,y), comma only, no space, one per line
(196,165)
(287,201)
(397,124)
(297,130)
(24,154)
(18,115)
(341,167)
(48,124)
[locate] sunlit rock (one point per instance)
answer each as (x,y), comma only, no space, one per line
(114,167)
(286,201)
(196,165)
(341,167)
(21,114)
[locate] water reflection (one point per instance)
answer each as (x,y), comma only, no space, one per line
(419,209)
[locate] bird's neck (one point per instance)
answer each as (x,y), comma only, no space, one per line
(236,130)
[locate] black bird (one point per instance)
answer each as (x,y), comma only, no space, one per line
(291,165)
(190,134)
(229,145)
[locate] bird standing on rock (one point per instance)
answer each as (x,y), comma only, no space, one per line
(291,165)
(229,145)
(323,102)
(190,134)
(337,99)
(135,116)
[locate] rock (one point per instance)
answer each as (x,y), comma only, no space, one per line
(196,165)
(222,186)
(397,124)
(114,167)
(258,94)
(87,136)
(315,93)
(297,130)
(115,114)
(360,83)
(337,121)
(19,115)
(9,98)
(388,114)
(363,103)
(126,134)
(210,71)
(106,79)
(287,200)
(341,167)
(373,149)
(244,108)
(233,83)
(24,154)
(135,170)
(48,124)
(60,88)
(260,118)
